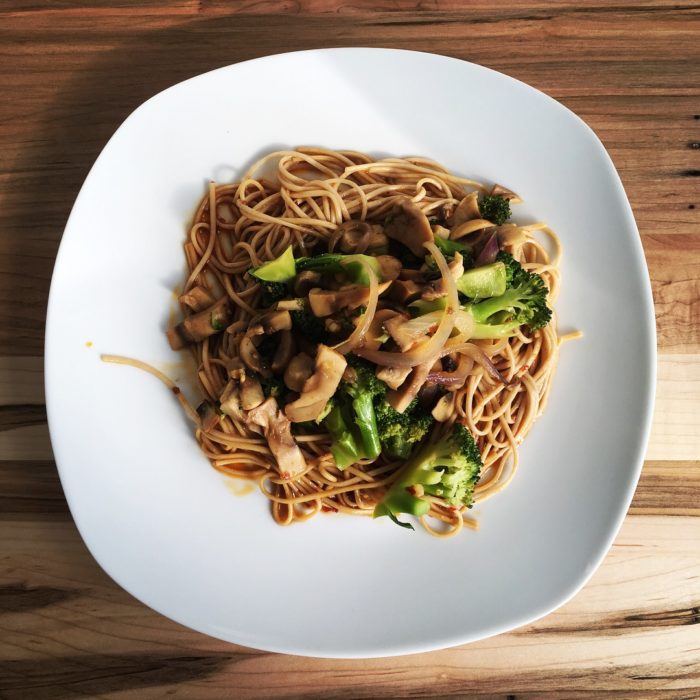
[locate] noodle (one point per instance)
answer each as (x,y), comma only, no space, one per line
(311,192)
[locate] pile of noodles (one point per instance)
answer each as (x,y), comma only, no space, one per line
(300,197)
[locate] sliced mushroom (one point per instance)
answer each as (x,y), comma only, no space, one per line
(353,236)
(405,291)
(376,333)
(466,210)
(230,401)
(278,432)
(299,369)
(270,322)
(436,288)
(253,359)
(400,398)
(207,415)
(201,325)
(319,387)
(197,298)
(393,377)
(413,275)
(407,224)
(389,266)
(325,302)
(377,239)
(505,193)
(305,281)
(283,354)
(444,408)
(251,392)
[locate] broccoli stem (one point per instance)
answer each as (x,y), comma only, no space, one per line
(344,447)
(366,421)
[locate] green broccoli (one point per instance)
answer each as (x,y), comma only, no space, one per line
(510,297)
(351,265)
(495,208)
(362,392)
(523,303)
(448,248)
(273,276)
(399,432)
(449,468)
(344,445)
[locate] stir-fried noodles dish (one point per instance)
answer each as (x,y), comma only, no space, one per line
(372,336)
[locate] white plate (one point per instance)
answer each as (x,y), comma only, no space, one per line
(162,522)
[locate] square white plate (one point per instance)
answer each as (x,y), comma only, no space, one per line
(162,522)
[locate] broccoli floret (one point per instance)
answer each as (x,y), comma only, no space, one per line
(399,432)
(351,265)
(344,445)
(495,209)
(448,248)
(363,391)
(273,387)
(273,276)
(449,468)
(523,303)
(273,292)
(308,325)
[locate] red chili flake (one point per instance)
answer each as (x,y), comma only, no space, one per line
(329,509)
(176,390)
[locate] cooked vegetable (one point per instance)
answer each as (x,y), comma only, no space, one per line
(495,208)
(272,276)
(350,265)
(399,432)
(449,468)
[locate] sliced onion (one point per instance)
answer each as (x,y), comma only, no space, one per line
(432,348)
(488,252)
(355,338)
(455,379)
(475,353)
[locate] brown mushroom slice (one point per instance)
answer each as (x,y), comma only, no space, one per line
(407,224)
(444,408)
(305,281)
(401,398)
(278,432)
(406,332)
(389,266)
(284,351)
(197,327)
(353,236)
(319,387)
(270,322)
(253,359)
(324,302)
(230,401)
(440,231)
(376,333)
(436,288)
(466,210)
(299,369)
(377,238)
(404,291)
(504,192)
(393,377)
(251,392)
(197,298)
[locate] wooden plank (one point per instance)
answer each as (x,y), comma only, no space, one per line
(638,612)
(675,433)
(21,380)
(674,267)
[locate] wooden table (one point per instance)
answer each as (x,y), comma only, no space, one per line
(72,73)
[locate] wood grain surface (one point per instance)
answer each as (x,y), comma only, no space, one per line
(71,72)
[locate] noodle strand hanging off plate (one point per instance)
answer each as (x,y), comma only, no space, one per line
(301,198)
